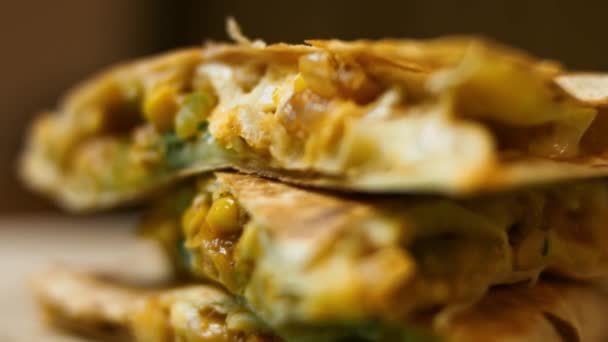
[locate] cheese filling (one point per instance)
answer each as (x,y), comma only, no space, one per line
(330,114)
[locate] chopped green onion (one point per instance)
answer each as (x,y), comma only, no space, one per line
(172,147)
(202,126)
(193,112)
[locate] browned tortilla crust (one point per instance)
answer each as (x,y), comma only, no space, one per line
(549,311)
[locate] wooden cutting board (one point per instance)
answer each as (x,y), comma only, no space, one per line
(31,244)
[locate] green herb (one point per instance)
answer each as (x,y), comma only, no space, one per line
(202,126)
(172,149)
(172,142)
(194,111)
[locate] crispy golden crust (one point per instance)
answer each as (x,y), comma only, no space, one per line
(291,212)
(84,304)
(430,149)
(549,311)
(104,308)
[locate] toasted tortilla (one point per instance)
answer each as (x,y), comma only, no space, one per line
(453,116)
(302,257)
(549,311)
(102,308)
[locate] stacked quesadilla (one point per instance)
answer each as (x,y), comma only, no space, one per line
(391,190)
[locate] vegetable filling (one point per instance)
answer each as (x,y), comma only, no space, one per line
(329,114)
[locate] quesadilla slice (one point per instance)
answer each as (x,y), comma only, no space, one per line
(550,311)
(305,258)
(452,116)
(102,307)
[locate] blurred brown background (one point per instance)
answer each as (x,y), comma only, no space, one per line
(47,46)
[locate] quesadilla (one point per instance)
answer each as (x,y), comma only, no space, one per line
(302,258)
(550,311)
(97,306)
(451,116)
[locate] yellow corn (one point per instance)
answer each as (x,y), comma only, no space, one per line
(160,108)
(299,84)
(194,110)
(223,216)
(194,217)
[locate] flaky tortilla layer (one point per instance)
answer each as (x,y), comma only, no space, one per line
(454,116)
(549,311)
(102,307)
(99,307)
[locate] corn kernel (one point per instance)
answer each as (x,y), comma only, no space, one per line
(160,108)
(299,84)
(193,218)
(223,216)
(194,110)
